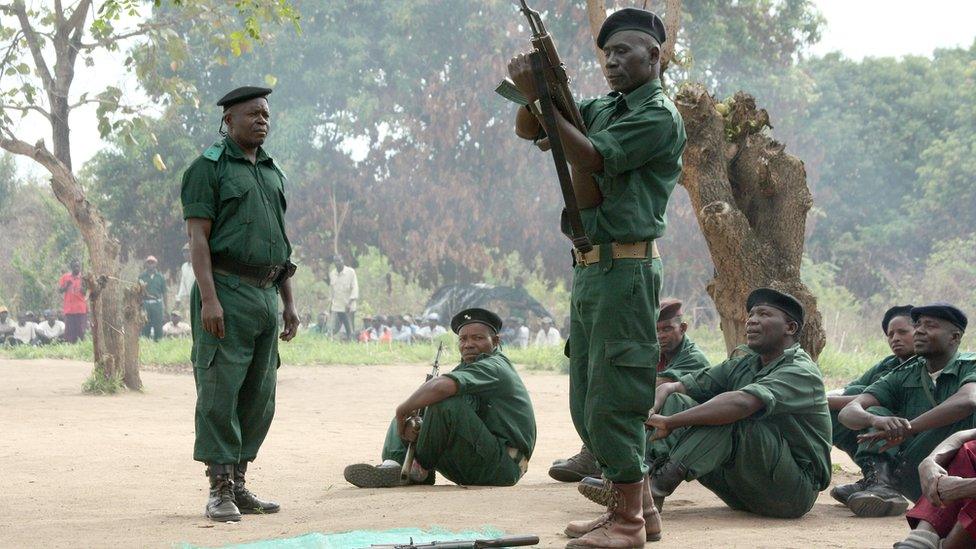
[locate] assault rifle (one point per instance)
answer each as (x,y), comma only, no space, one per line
(552,83)
(412,447)
(507,541)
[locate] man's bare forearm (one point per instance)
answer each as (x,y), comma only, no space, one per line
(199,233)
(721,410)
(527,126)
(431,392)
(946,450)
(958,406)
(837,402)
(287,296)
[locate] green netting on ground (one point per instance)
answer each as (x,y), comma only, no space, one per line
(358,539)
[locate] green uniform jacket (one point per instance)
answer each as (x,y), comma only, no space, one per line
(903,393)
(794,402)
(155,285)
(501,399)
(688,359)
(641,137)
(245,201)
(876,372)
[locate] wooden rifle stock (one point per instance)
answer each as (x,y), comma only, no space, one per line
(412,447)
(557,89)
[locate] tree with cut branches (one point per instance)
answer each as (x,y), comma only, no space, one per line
(41,48)
(750,198)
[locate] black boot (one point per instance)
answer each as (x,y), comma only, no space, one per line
(220,505)
(843,492)
(576,468)
(247,502)
(880,498)
(665,480)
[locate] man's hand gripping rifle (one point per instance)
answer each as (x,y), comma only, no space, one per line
(552,85)
(414,422)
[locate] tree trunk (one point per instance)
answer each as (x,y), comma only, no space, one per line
(751,200)
(750,197)
(132,313)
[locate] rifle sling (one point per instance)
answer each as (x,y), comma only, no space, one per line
(580,241)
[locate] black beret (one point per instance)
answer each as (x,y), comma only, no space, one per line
(944,311)
(784,302)
(632,19)
(670,308)
(241,95)
(481,316)
(897,310)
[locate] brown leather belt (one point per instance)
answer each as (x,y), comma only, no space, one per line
(620,250)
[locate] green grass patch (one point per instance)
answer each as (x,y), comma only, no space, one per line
(839,365)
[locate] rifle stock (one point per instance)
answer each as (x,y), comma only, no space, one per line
(412,447)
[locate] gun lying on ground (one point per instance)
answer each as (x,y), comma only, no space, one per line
(552,83)
(412,447)
(507,541)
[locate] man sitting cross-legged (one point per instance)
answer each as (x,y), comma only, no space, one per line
(754,429)
(945,516)
(897,326)
(479,427)
(911,410)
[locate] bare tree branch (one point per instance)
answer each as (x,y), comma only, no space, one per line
(34,44)
(141,30)
(27,109)
(37,152)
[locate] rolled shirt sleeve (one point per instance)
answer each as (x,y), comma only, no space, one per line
(198,192)
(706,384)
(635,139)
(475,378)
(786,390)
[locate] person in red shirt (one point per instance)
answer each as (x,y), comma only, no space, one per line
(75,303)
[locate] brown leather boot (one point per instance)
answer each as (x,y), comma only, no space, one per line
(623,525)
(652,517)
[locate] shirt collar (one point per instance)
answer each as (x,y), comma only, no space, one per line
(234,150)
(952,368)
(642,93)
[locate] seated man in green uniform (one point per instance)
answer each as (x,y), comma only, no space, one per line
(754,429)
(679,356)
(478,428)
(234,206)
(911,410)
(897,327)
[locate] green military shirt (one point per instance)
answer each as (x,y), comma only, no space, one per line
(155,284)
(501,399)
(903,393)
(641,137)
(876,372)
(792,392)
(688,359)
(245,201)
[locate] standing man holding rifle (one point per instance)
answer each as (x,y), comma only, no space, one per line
(626,165)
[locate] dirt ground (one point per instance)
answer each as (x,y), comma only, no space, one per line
(81,471)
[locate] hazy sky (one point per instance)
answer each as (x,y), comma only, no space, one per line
(856,28)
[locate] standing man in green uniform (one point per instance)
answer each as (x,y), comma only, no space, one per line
(754,429)
(234,205)
(154,302)
(897,327)
(911,410)
(632,149)
(478,428)
(679,356)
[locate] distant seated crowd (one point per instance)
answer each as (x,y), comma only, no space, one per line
(404,329)
(26,330)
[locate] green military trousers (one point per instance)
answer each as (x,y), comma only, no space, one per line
(842,437)
(613,359)
(235,376)
(747,463)
(154,319)
(455,442)
(905,457)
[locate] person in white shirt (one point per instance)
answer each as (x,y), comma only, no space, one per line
(548,334)
(49,331)
(522,336)
(432,329)
(176,327)
(24,331)
(187,278)
(400,331)
(345,292)
(7,325)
